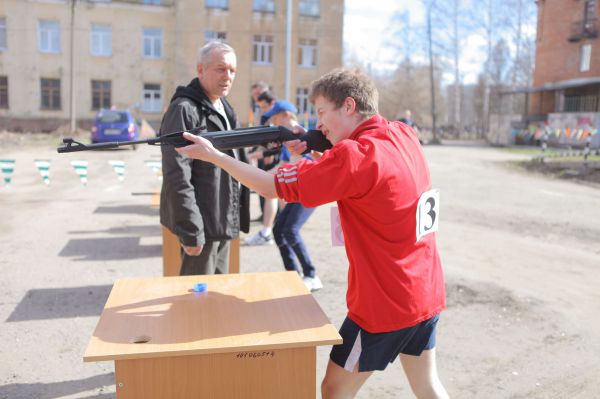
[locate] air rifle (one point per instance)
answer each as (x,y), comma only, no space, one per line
(222,140)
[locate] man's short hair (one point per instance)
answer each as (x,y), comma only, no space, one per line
(261,84)
(341,83)
(206,51)
(266,96)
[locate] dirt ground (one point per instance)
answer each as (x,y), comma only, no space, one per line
(521,256)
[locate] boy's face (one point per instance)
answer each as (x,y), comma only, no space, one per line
(336,124)
(280,119)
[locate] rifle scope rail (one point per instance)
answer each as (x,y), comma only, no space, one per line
(222,140)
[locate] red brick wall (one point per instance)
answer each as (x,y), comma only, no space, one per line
(557,58)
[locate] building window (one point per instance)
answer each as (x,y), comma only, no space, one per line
(302,102)
(309,8)
(263,5)
(152,43)
(101,94)
(217,4)
(152,99)
(210,35)
(589,16)
(4,92)
(153,2)
(50,94)
(3,45)
(49,36)
(262,49)
(586,56)
(307,53)
(590,9)
(101,40)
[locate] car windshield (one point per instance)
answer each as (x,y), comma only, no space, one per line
(113,117)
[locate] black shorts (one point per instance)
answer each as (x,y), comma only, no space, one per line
(374,351)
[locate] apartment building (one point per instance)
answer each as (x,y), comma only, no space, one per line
(133,53)
(567,65)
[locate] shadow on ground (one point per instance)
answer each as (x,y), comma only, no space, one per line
(119,248)
(61,303)
(128,209)
(140,230)
(59,389)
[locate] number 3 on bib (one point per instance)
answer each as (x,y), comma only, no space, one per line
(428,213)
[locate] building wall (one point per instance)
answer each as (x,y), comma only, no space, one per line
(183,24)
(557,58)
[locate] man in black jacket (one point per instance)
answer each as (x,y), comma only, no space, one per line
(200,203)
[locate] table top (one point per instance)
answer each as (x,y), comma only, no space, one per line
(237,312)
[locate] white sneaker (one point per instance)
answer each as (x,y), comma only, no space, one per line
(259,239)
(313,283)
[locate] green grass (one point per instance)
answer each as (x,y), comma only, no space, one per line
(551,153)
(591,158)
(523,150)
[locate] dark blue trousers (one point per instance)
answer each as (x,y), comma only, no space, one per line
(286,232)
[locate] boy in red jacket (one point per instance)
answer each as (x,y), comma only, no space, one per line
(377,173)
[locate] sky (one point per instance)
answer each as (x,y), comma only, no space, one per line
(366,29)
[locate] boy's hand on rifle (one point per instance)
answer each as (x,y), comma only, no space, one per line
(296,147)
(200,148)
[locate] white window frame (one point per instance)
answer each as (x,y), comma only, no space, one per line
(151,98)
(263,6)
(262,49)
(152,37)
(211,35)
(586,57)
(101,40)
(3,37)
(309,8)
(307,53)
(49,36)
(224,4)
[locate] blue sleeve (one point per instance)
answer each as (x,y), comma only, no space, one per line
(285,154)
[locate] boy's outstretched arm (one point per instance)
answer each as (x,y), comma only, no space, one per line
(258,180)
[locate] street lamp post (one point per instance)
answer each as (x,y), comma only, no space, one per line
(72,68)
(434,140)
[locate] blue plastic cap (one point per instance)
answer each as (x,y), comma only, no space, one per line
(200,287)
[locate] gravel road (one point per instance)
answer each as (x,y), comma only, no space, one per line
(521,255)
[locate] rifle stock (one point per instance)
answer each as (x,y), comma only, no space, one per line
(222,140)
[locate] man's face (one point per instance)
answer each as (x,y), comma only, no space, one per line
(216,77)
(257,91)
(335,123)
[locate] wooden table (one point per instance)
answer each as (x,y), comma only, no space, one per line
(250,335)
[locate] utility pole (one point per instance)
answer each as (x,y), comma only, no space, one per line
(288,49)
(72,68)
(434,140)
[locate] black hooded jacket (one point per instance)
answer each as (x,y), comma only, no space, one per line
(200,202)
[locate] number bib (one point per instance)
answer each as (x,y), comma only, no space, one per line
(428,213)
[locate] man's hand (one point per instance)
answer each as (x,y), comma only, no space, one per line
(193,251)
(199,149)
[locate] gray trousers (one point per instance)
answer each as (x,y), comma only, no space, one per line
(214,259)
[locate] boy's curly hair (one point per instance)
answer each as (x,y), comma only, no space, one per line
(341,83)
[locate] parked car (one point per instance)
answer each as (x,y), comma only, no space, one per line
(114,125)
